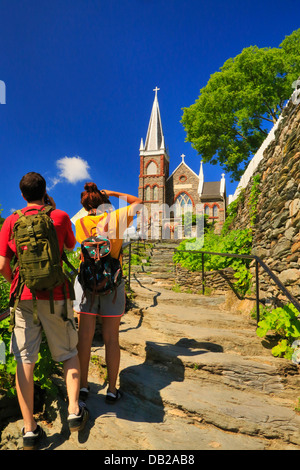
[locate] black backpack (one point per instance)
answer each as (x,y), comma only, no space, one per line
(99,273)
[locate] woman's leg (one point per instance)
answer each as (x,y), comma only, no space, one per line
(110,334)
(86,330)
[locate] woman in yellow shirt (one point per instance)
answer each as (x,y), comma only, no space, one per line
(111,224)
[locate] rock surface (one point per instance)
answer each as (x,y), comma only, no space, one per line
(195,377)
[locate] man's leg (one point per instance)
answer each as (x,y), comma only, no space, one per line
(78,415)
(24,385)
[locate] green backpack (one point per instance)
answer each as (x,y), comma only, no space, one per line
(39,258)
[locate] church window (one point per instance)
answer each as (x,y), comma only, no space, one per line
(215,211)
(206,210)
(147,193)
(155,193)
(182,178)
(152,169)
(183,203)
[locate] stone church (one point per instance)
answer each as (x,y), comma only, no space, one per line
(166,196)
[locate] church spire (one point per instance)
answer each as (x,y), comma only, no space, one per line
(155,138)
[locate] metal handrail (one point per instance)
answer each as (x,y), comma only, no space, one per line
(258,261)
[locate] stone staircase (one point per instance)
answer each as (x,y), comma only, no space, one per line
(195,376)
(156,267)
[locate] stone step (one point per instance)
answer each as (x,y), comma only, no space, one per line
(151,268)
(219,405)
(154,274)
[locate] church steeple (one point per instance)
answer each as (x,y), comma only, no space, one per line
(155,138)
(154,161)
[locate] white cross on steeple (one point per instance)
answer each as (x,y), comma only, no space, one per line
(156,90)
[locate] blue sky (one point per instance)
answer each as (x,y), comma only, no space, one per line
(80,75)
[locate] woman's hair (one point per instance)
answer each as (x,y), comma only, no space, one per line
(33,186)
(92,198)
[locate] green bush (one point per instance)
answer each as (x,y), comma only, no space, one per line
(229,241)
(284,322)
(235,241)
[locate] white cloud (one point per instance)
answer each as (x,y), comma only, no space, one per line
(72,169)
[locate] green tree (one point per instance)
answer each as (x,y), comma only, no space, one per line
(231,117)
(1,218)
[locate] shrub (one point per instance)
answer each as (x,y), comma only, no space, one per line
(284,322)
(235,241)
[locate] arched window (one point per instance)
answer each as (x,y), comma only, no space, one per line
(155,193)
(215,211)
(183,203)
(206,210)
(152,169)
(147,193)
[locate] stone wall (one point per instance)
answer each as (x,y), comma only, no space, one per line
(215,281)
(276,234)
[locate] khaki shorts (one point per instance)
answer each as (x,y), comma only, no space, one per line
(61,335)
(110,305)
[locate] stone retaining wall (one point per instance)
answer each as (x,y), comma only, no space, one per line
(277,228)
(215,281)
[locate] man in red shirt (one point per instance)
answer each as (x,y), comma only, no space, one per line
(26,337)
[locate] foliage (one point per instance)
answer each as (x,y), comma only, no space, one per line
(229,241)
(7,370)
(284,322)
(234,241)
(231,211)
(139,256)
(189,219)
(4,294)
(44,368)
(1,218)
(74,258)
(230,119)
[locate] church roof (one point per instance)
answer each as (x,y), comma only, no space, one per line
(182,163)
(211,188)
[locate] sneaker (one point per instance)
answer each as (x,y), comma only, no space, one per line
(113,397)
(31,439)
(84,393)
(77,422)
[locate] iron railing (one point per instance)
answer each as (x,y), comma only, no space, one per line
(258,261)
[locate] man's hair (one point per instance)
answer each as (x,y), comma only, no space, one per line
(33,186)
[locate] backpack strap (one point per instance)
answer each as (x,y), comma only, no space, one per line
(84,228)
(14,301)
(35,312)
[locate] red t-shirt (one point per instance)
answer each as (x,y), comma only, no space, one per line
(66,238)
